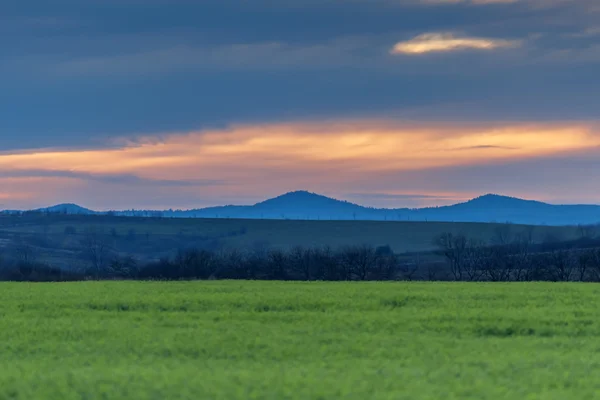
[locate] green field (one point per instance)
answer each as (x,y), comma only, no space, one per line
(273,340)
(155,233)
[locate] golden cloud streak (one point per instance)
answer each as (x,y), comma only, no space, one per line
(446,42)
(360,146)
(272,158)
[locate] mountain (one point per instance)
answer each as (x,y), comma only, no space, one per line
(496,208)
(293,205)
(487,208)
(303,205)
(67,209)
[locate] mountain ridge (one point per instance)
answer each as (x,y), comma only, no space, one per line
(302,205)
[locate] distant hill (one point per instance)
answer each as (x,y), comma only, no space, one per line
(67,209)
(487,208)
(496,208)
(301,205)
(293,205)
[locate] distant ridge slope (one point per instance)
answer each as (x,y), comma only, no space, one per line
(301,204)
(306,205)
(67,208)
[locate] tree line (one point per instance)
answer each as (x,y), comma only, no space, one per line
(520,259)
(506,257)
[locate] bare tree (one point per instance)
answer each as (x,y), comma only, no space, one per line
(589,264)
(410,268)
(195,264)
(302,261)
(476,255)
(432,271)
(387,268)
(327,264)
(231,265)
(359,261)
(595,263)
(503,263)
(522,258)
(387,264)
(96,249)
(562,265)
(454,248)
(581,266)
(277,262)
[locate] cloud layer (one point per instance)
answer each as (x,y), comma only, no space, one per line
(436,99)
(253,161)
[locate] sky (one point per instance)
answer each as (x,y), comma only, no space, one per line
(119,104)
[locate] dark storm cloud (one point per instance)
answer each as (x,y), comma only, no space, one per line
(72,70)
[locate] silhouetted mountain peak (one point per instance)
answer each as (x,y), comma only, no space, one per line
(303,204)
(304,194)
(297,194)
(498,201)
(67,208)
(302,197)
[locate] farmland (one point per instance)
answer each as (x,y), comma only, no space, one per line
(58,239)
(275,340)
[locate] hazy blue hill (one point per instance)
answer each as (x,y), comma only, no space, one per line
(496,208)
(302,204)
(497,201)
(67,208)
(306,205)
(292,205)
(487,208)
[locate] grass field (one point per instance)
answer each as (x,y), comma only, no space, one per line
(272,340)
(284,234)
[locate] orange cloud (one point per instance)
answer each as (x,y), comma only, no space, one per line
(365,145)
(278,157)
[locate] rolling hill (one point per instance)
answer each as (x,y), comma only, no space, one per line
(303,205)
(67,209)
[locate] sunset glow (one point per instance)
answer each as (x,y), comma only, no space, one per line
(286,154)
(387,102)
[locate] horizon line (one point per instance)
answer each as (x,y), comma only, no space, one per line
(289,193)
